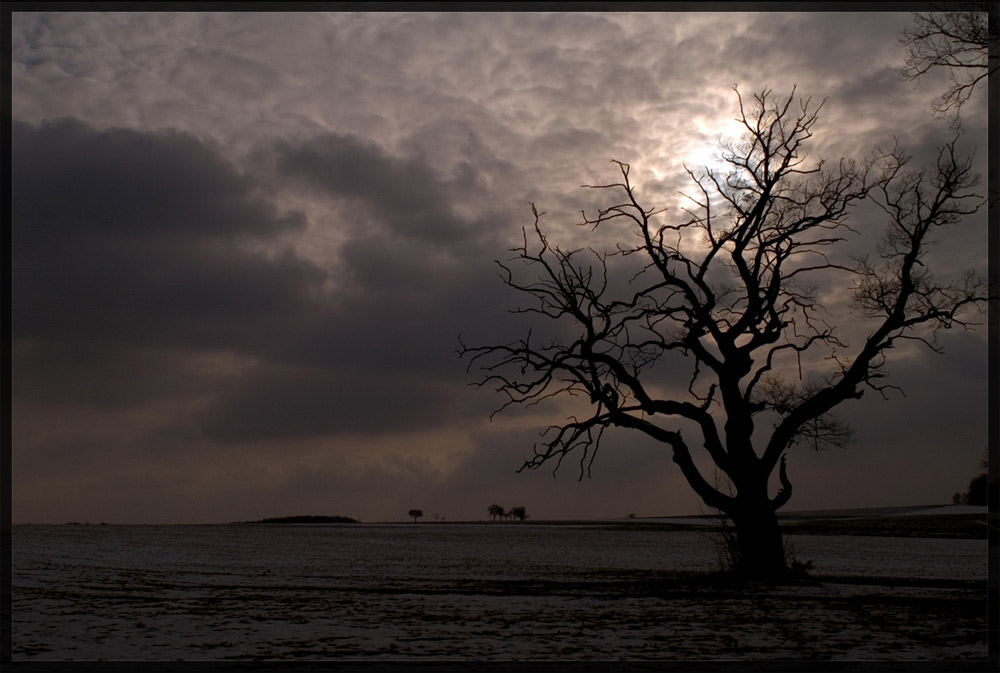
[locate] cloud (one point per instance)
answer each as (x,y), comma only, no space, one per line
(144,238)
(133,246)
(404,196)
(272,405)
(245,244)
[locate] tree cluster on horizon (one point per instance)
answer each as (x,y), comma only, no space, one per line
(517,512)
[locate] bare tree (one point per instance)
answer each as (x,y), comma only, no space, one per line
(496,511)
(730,293)
(956,41)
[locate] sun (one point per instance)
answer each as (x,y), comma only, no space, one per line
(705,156)
(708,144)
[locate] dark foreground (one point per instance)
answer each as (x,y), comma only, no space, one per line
(480,593)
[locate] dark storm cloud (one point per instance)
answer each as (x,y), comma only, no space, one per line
(403,195)
(129,242)
(132,183)
(411,275)
(143,238)
(410,272)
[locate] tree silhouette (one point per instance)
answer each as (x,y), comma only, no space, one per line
(956,41)
(518,512)
(496,511)
(979,488)
(416,514)
(730,292)
(976,495)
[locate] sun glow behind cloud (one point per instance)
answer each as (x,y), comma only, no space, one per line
(714,134)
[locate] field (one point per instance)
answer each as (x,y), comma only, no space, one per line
(623,590)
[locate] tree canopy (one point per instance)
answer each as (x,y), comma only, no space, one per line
(954,41)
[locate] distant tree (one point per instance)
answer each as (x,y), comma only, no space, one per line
(496,511)
(978,489)
(731,292)
(416,514)
(976,495)
(518,512)
(956,41)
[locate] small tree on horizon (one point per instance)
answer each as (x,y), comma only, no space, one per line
(496,511)
(416,514)
(730,291)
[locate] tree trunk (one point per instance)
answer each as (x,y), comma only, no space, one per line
(758,550)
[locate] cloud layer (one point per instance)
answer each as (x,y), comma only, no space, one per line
(245,246)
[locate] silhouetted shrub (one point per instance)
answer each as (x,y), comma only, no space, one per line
(976,494)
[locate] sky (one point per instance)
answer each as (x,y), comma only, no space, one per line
(245,246)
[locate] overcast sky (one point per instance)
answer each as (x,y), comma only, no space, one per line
(245,246)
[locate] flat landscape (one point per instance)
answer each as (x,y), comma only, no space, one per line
(939,521)
(615,590)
